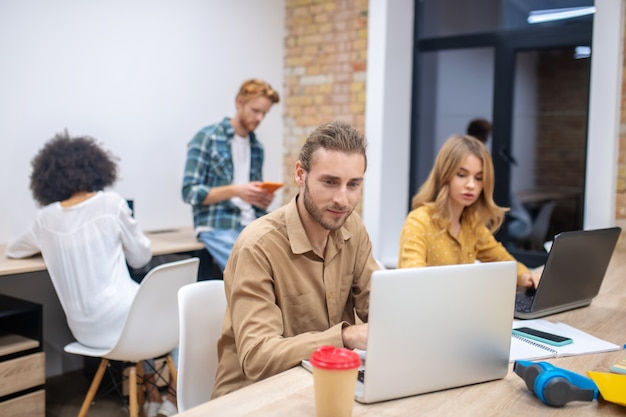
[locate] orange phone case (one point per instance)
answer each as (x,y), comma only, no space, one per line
(271,186)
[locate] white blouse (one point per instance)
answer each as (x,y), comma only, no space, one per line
(85,248)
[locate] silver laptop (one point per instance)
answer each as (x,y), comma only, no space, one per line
(573,273)
(437,327)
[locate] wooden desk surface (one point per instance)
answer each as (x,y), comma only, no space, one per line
(291,393)
(163,242)
(174,241)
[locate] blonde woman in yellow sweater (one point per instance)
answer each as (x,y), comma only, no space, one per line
(454,215)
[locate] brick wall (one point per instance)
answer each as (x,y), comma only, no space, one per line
(325,63)
(620,204)
(563,95)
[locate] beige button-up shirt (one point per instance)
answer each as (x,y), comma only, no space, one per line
(284,301)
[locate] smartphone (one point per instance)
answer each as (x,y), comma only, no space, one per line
(271,186)
(543,337)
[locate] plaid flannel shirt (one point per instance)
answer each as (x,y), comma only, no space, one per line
(210,164)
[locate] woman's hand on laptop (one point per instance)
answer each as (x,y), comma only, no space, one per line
(355,336)
(530,279)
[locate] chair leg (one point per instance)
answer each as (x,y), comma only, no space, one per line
(132,391)
(172,369)
(93,388)
(140,390)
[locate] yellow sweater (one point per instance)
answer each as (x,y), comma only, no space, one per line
(424,243)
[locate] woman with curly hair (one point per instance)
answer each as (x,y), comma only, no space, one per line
(454,215)
(86,236)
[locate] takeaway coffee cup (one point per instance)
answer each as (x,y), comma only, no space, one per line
(334,378)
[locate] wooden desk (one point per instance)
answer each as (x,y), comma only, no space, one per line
(22,360)
(291,393)
(163,242)
(174,241)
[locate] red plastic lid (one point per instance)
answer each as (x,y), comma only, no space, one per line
(330,357)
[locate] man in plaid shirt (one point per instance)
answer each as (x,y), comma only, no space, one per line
(224,170)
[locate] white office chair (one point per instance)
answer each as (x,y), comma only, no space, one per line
(150,330)
(381,265)
(202,306)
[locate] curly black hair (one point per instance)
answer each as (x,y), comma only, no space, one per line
(66,165)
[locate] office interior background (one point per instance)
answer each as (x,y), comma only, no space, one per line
(144,76)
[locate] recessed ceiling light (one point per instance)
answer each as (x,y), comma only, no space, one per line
(548,15)
(582,52)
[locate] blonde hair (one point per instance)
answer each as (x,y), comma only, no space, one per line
(435,192)
(255,87)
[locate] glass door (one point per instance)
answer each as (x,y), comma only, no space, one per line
(522,77)
(549,140)
(456,86)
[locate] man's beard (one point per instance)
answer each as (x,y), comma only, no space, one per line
(248,126)
(316,214)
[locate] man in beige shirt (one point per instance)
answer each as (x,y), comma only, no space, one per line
(297,276)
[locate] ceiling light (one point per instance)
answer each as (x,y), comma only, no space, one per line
(548,15)
(582,52)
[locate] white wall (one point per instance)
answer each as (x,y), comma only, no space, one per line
(604,114)
(142,77)
(387,125)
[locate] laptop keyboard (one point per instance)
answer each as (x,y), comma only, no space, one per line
(523,302)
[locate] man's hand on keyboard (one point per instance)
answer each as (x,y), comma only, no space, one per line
(355,336)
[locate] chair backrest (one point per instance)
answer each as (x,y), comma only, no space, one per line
(202,307)
(541,224)
(151,328)
(380,264)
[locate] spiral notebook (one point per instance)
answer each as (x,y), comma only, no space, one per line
(583,343)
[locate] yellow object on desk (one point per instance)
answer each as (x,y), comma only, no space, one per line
(612,386)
